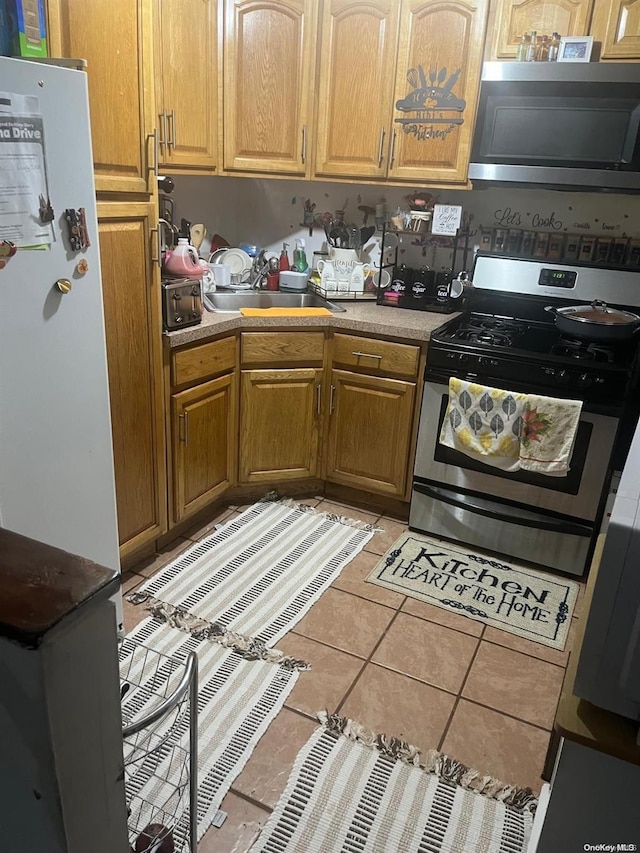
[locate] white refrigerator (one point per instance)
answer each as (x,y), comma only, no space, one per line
(56,463)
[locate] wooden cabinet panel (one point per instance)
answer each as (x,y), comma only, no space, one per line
(515,17)
(437,80)
(370,432)
(356,73)
(280,414)
(274,348)
(114,36)
(203,443)
(375,356)
(202,361)
(187,85)
(131,295)
(267,84)
(616,24)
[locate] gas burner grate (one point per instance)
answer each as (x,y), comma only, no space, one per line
(503,325)
(488,337)
(582,350)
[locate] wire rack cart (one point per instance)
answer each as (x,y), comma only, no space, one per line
(160,733)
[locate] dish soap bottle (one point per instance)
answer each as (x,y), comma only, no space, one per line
(284,259)
(299,256)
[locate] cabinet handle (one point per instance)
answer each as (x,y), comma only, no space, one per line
(392,152)
(171,141)
(304,143)
(185,430)
(367,355)
(163,129)
(381,145)
(156,153)
(332,391)
(319,399)
(156,259)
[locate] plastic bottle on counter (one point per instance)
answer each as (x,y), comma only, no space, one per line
(299,256)
(531,47)
(284,259)
(554,47)
(521,54)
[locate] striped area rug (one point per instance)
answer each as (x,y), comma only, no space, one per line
(260,573)
(237,699)
(353,792)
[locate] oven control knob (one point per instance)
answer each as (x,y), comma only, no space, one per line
(463,358)
(561,377)
(584,380)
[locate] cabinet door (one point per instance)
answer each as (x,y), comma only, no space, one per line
(437,80)
(370,432)
(515,17)
(187,86)
(616,24)
(203,442)
(268,48)
(115,38)
(280,414)
(357,69)
(133,324)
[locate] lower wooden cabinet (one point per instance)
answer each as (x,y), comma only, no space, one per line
(133,326)
(203,427)
(370,432)
(280,413)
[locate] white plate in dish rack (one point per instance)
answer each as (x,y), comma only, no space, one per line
(237,260)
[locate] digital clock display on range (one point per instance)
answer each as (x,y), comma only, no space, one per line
(557,278)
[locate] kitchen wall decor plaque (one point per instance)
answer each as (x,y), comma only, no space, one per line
(434,110)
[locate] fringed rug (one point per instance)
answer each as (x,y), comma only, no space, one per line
(260,573)
(241,688)
(353,791)
(518,599)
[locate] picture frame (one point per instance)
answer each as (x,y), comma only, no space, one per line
(575,49)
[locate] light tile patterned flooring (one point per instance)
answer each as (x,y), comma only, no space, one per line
(400,666)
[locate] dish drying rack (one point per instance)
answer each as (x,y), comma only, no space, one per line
(159,696)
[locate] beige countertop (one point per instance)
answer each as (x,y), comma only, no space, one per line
(358,317)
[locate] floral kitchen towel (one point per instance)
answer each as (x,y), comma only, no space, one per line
(548,434)
(509,430)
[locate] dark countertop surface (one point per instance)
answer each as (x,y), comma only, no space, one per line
(40,585)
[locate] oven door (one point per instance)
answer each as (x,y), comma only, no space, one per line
(515,513)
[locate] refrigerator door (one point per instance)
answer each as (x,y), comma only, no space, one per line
(56,461)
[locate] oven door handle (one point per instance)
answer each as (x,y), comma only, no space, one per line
(542,524)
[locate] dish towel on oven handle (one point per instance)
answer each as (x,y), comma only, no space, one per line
(510,430)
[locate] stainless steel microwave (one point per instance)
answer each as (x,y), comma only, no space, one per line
(560,125)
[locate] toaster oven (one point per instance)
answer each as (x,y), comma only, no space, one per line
(181,303)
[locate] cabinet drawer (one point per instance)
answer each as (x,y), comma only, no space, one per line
(192,365)
(273,348)
(373,356)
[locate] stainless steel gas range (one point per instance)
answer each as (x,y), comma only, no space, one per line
(508,340)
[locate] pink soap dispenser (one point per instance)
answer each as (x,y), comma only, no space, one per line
(184,260)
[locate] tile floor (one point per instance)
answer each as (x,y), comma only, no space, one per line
(434,678)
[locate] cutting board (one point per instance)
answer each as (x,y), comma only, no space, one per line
(197,234)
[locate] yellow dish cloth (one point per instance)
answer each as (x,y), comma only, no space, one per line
(484,422)
(548,434)
(285,312)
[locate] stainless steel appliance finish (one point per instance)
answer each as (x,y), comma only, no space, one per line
(181,303)
(570,125)
(233,302)
(608,673)
(507,340)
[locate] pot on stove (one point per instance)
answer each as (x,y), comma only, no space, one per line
(595,322)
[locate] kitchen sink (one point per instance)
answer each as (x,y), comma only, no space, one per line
(224,303)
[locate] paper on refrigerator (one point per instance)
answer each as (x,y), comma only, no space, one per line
(23,174)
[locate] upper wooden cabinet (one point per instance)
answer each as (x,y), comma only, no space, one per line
(355,87)
(513,18)
(405,109)
(616,25)
(268,85)
(187,82)
(115,38)
(436,91)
